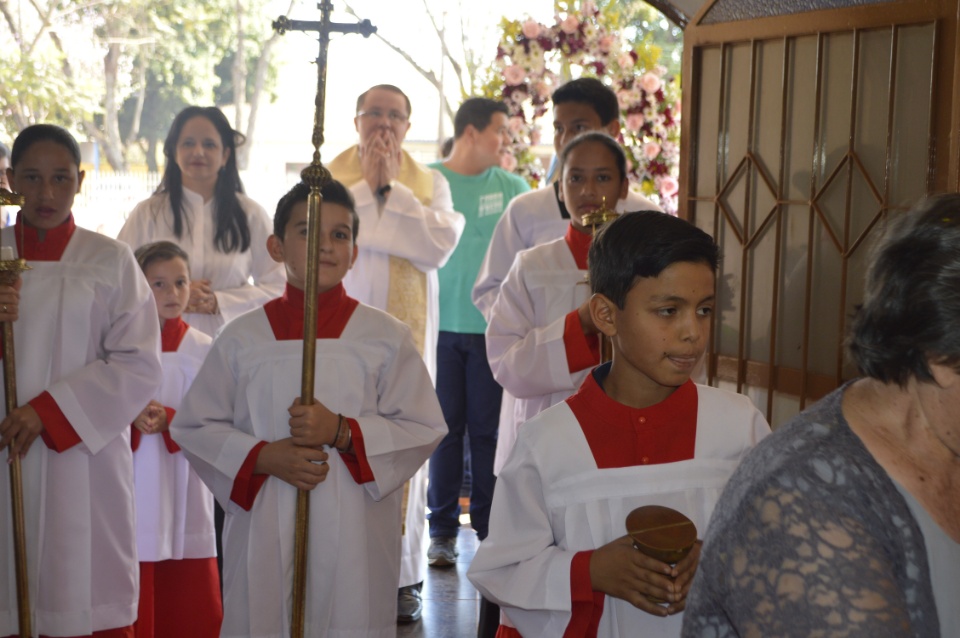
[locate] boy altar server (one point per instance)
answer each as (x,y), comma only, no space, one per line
(88,359)
(376,419)
(638,432)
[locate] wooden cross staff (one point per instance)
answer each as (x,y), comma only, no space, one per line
(315,175)
(10,269)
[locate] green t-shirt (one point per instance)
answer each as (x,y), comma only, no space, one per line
(481,199)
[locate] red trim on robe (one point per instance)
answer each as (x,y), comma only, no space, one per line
(334,309)
(247,484)
(507,632)
(179,597)
(57,432)
(171,334)
(135,436)
(583,350)
(579,244)
(54,241)
(621,436)
(587,605)
(168,441)
(356,462)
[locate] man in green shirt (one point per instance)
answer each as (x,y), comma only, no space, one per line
(469,395)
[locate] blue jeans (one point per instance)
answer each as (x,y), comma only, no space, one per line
(470,399)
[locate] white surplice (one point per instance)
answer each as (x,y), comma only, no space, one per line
(241,395)
(525,335)
(529,220)
(174,507)
(426,235)
(230,274)
(87,334)
(552,501)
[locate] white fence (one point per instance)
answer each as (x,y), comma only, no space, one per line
(106,199)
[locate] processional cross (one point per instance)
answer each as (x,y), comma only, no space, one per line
(315,176)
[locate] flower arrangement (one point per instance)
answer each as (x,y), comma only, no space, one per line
(533,59)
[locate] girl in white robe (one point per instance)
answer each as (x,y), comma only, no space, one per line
(87,359)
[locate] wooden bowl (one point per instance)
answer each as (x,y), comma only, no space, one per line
(661,533)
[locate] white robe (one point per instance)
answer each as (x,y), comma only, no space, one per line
(230,274)
(529,220)
(240,397)
(552,501)
(88,334)
(174,507)
(426,236)
(525,336)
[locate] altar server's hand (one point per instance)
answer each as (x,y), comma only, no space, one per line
(622,571)
(202,299)
(683,573)
(19,430)
(302,467)
(313,425)
(152,419)
(10,301)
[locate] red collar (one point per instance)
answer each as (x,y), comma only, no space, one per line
(334,309)
(171,334)
(621,436)
(31,248)
(579,244)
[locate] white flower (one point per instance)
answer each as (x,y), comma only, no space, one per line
(588,7)
(515,123)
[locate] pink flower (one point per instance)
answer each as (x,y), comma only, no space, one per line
(589,7)
(605,43)
(542,90)
(531,29)
(626,61)
(669,186)
(651,150)
(515,123)
(634,122)
(570,25)
(514,74)
(508,162)
(650,82)
(534,137)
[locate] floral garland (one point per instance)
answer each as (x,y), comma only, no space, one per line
(533,59)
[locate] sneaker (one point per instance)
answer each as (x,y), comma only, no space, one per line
(442,552)
(409,604)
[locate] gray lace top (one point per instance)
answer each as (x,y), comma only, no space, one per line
(812,538)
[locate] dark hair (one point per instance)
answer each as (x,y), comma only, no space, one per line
(593,93)
(603,139)
(644,244)
(333,192)
(476,111)
(384,87)
(43,133)
(232,230)
(159,251)
(912,296)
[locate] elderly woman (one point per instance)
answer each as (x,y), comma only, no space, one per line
(846,521)
(200,206)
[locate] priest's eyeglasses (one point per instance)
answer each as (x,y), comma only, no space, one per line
(395,117)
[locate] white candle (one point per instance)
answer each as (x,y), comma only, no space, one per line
(6,253)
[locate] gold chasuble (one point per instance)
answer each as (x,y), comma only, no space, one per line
(407,292)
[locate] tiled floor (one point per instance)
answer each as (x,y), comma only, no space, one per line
(450,603)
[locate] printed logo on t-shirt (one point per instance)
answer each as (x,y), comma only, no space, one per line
(490,204)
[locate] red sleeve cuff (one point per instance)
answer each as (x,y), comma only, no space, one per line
(583,351)
(57,432)
(247,484)
(357,462)
(135,436)
(172,447)
(586,605)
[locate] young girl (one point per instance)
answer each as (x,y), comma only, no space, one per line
(179,584)
(540,340)
(87,354)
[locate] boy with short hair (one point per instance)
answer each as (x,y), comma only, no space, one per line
(638,432)
(534,218)
(376,419)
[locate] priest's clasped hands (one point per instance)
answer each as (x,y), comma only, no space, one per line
(380,158)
